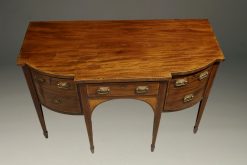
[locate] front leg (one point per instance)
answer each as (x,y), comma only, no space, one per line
(88,122)
(155,129)
(157,112)
(205,97)
(35,99)
(87,114)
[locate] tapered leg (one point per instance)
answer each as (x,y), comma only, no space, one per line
(155,129)
(87,114)
(158,111)
(41,119)
(199,114)
(205,96)
(90,132)
(35,98)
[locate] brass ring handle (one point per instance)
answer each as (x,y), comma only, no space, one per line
(203,75)
(142,89)
(181,82)
(63,85)
(188,98)
(57,101)
(103,90)
(40,80)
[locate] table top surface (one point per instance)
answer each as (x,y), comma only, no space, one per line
(119,50)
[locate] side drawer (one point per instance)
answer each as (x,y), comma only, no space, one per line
(60,102)
(123,89)
(54,83)
(58,94)
(185,91)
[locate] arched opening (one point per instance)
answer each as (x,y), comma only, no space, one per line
(122,123)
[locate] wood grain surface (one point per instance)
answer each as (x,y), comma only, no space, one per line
(118,51)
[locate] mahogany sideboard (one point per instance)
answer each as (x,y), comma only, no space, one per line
(73,66)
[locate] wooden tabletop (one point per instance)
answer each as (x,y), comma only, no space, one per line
(125,50)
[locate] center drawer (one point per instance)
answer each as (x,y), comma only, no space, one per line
(123,89)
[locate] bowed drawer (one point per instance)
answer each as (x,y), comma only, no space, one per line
(185,91)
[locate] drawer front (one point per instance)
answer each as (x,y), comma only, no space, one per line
(58,94)
(60,102)
(53,83)
(122,89)
(184,98)
(185,91)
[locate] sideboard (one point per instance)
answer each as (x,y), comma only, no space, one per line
(73,66)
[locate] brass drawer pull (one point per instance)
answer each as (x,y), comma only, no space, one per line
(57,101)
(181,82)
(63,85)
(103,90)
(188,98)
(142,89)
(40,80)
(203,75)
